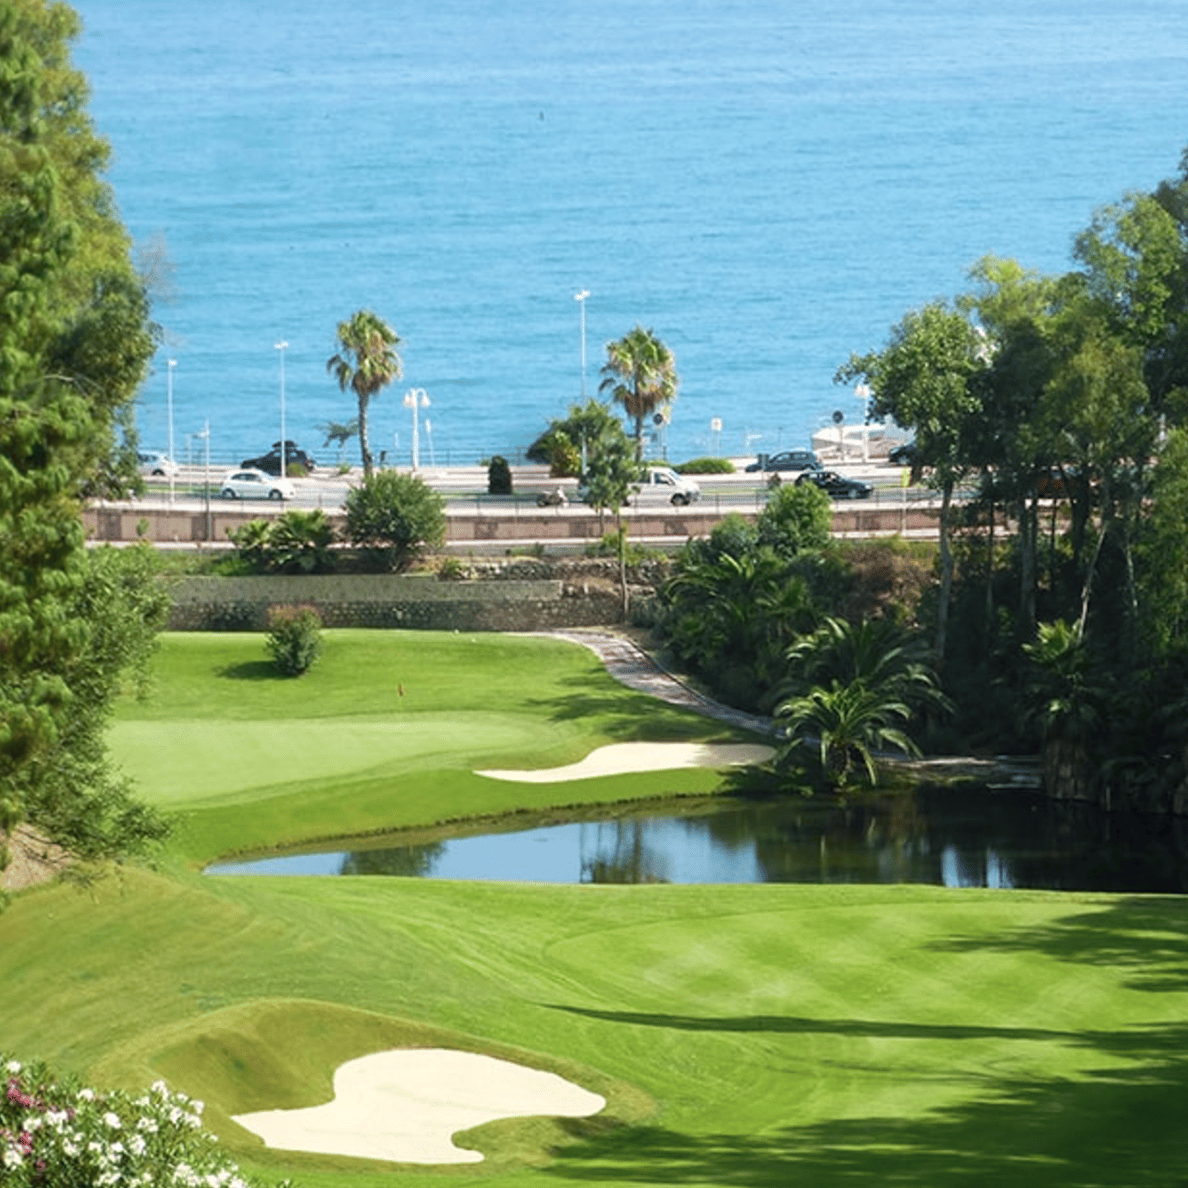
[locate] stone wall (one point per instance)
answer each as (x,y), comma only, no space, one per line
(379,600)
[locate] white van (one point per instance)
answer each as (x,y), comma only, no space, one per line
(662,484)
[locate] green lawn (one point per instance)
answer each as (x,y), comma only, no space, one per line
(744,1036)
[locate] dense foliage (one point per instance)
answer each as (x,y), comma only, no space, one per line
(394,517)
(1059,620)
(75,342)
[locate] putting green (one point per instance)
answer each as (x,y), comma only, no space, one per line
(211,760)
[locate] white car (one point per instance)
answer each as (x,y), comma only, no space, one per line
(154,463)
(255,484)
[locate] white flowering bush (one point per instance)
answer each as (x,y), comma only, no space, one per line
(56,1134)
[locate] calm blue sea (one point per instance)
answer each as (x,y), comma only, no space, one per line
(768,184)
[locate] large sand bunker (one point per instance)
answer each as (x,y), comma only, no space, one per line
(406,1105)
(621,758)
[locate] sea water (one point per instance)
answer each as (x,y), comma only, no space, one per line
(769,185)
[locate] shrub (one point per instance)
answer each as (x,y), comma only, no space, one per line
(294,638)
(797,519)
(499,477)
(57,1134)
(706,466)
(299,542)
(295,542)
(395,516)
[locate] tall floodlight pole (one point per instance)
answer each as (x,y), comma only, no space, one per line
(284,452)
(415,398)
(169,409)
(580,298)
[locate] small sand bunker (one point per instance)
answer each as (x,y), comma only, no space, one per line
(621,758)
(406,1105)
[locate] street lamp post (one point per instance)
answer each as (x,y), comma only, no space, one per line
(415,398)
(280,346)
(169,409)
(862,391)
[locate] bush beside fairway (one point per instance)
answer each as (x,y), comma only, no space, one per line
(755,1036)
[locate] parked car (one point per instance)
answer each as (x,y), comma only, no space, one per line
(837,486)
(903,455)
(786,460)
(255,484)
(156,464)
(660,484)
(270,463)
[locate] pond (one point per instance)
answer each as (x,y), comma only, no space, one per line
(971,837)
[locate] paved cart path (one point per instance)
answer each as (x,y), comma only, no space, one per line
(632,666)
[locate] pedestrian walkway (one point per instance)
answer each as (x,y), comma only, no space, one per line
(632,666)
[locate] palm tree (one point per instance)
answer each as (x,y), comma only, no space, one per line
(847,723)
(640,374)
(365,362)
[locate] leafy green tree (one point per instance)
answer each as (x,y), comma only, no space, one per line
(640,374)
(366,362)
(572,441)
(73,794)
(926,379)
(798,518)
(75,341)
(611,474)
(395,516)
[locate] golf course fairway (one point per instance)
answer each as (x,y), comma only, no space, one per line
(754,1036)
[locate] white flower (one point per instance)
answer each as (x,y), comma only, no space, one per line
(148,1125)
(12,1157)
(137,1145)
(112,1120)
(13,1066)
(86,1095)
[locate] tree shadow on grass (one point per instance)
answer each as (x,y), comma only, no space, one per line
(1145,935)
(1108,1128)
(252,670)
(628,716)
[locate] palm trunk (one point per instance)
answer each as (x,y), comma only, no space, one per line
(364,448)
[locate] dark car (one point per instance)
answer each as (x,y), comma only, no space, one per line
(903,455)
(296,460)
(837,486)
(787,460)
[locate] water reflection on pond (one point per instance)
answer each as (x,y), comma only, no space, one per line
(955,838)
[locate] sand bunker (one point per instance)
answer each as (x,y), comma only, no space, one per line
(621,758)
(406,1105)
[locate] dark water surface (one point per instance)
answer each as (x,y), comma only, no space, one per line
(954,838)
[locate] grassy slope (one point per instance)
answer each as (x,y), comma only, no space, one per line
(754,1036)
